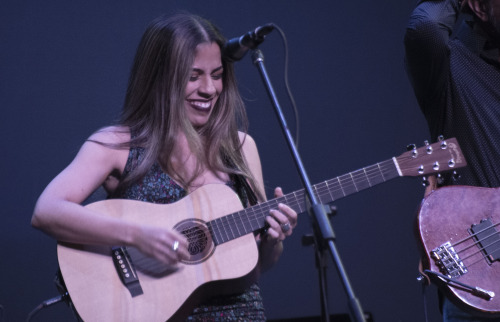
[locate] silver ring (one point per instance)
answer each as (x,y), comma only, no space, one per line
(285,227)
(175,246)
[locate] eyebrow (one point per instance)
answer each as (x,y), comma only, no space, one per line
(199,70)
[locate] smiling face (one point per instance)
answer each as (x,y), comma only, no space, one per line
(204,85)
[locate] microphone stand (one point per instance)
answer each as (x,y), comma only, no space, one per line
(324,236)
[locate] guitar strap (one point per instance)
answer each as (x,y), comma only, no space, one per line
(242,184)
(242,187)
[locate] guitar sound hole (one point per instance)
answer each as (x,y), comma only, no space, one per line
(199,238)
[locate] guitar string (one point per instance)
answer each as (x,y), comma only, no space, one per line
(345,183)
(476,242)
(374,171)
(253,212)
(378,170)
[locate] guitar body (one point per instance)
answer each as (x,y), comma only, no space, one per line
(447,214)
(98,293)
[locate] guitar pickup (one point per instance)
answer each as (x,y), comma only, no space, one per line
(488,239)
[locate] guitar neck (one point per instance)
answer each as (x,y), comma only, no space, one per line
(252,219)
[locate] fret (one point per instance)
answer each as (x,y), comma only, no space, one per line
(353,182)
(361,180)
(367,177)
(347,184)
(299,195)
(237,223)
(377,175)
(329,192)
(254,225)
(224,235)
(340,185)
(244,221)
(215,232)
(230,224)
(212,233)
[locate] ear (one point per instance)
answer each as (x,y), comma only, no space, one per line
(479,8)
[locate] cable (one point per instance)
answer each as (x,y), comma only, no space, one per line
(287,86)
(47,303)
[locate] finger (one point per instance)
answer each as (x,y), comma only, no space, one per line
(286,224)
(179,247)
(279,216)
(272,222)
(165,255)
(289,213)
(273,236)
(278,192)
(275,228)
(183,242)
(180,237)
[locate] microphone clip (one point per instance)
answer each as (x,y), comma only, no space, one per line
(236,48)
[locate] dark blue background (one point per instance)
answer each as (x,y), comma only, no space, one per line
(63,71)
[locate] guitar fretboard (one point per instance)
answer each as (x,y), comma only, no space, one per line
(252,219)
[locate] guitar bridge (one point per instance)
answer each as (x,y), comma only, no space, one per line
(126,270)
(448,261)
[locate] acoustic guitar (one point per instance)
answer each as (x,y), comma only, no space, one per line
(121,284)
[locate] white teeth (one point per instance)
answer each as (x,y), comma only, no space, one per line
(201,104)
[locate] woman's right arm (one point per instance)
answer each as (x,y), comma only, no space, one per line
(58,211)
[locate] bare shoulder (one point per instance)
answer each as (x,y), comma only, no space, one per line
(111,135)
(105,147)
(252,158)
(248,144)
(99,159)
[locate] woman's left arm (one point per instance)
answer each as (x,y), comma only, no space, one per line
(281,220)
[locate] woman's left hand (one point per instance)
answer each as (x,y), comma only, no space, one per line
(281,221)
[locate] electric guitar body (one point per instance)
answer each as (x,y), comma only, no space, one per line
(458,227)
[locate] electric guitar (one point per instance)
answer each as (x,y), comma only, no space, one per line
(121,284)
(458,229)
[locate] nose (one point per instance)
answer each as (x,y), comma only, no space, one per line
(207,86)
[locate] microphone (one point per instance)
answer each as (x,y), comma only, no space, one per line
(236,48)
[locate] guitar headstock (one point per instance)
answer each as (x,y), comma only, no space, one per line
(442,156)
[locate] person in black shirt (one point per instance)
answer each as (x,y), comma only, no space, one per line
(452,59)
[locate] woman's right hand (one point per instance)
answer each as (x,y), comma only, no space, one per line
(167,246)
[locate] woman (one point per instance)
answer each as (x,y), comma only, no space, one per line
(178,132)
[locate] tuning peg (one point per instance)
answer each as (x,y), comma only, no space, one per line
(440,179)
(428,147)
(413,149)
(455,176)
(425,182)
(443,144)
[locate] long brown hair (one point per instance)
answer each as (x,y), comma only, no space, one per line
(154,103)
